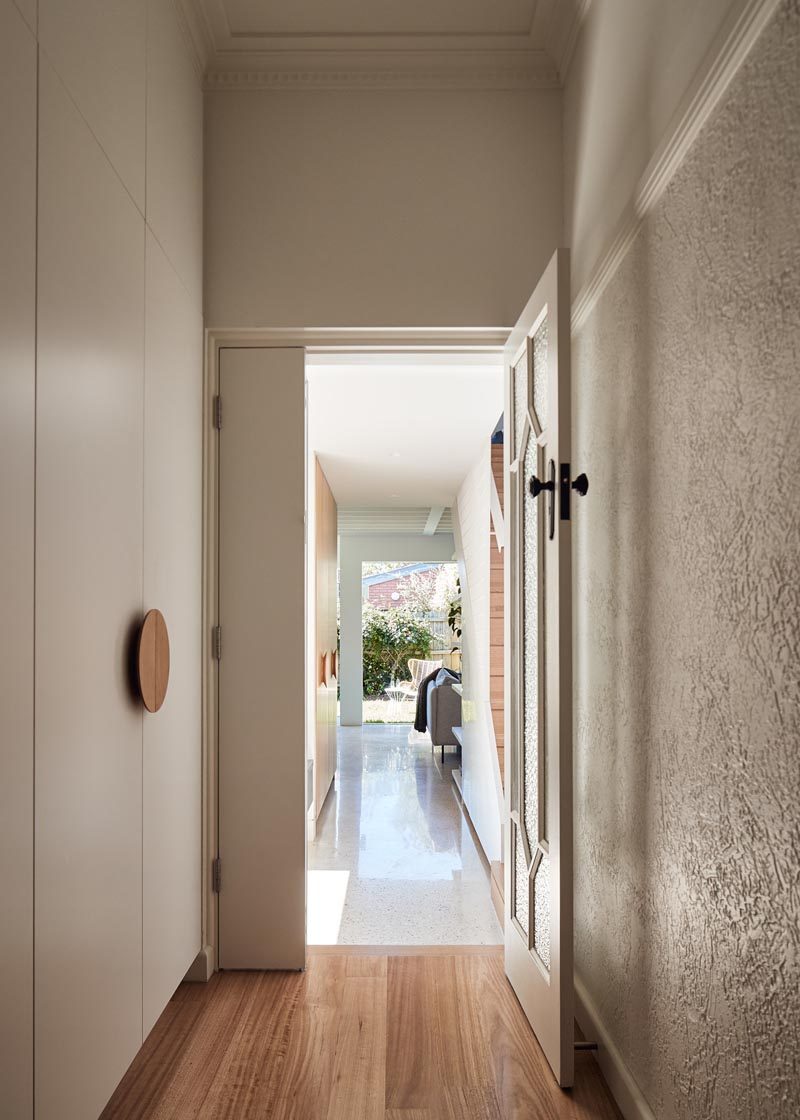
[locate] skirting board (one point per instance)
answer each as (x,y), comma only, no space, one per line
(202,967)
(618,1077)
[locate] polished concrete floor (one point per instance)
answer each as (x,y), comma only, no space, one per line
(394,861)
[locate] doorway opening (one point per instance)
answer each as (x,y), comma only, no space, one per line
(405,823)
(408,619)
(268,787)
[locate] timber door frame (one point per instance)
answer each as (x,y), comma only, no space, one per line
(380,341)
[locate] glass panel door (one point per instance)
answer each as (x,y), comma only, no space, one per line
(539,825)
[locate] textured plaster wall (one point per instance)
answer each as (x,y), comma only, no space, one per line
(687,616)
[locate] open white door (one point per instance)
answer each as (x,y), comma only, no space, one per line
(262,705)
(538,833)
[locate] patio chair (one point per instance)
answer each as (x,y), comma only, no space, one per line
(419,670)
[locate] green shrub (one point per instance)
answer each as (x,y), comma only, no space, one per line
(389,639)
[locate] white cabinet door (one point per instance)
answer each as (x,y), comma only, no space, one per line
(172,582)
(538,855)
(262,612)
(88,868)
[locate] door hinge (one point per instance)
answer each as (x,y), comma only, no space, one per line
(217,643)
(217,412)
(216,875)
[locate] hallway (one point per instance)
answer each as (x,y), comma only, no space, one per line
(358,1036)
(395,861)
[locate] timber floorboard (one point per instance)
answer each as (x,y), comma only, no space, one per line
(358,1036)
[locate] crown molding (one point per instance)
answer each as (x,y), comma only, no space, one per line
(367,340)
(249,36)
(196,32)
(259,60)
(731,47)
(385,70)
(570,16)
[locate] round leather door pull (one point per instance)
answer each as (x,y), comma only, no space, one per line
(152,660)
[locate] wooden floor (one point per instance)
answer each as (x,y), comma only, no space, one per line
(358,1036)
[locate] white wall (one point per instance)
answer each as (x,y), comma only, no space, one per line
(353,552)
(117,381)
(633,63)
(481,786)
(378,208)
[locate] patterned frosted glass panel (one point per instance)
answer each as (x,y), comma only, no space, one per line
(521,885)
(541,911)
(520,400)
(530,650)
(544,746)
(540,374)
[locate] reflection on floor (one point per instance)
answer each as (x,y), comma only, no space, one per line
(394,862)
(354,1037)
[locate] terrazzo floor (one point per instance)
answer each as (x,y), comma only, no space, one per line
(394,861)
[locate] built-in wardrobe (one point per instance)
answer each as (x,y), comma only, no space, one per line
(101,340)
(325,594)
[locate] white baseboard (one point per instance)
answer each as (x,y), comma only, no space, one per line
(202,967)
(619,1078)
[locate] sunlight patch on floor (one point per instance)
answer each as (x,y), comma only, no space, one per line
(326,894)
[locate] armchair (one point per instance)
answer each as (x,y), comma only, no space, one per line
(444,713)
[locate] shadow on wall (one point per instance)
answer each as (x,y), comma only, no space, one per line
(613,569)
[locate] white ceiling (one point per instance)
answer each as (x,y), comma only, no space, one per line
(401,433)
(378,17)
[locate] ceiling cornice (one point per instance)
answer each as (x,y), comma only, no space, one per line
(460,61)
(194,25)
(385,70)
(561,32)
(733,43)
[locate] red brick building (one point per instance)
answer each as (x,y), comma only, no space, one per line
(389,589)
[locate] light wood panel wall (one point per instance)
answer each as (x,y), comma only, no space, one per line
(325,595)
(496,596)
(480,779)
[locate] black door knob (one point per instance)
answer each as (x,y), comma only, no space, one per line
(537,486)
(581,485)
